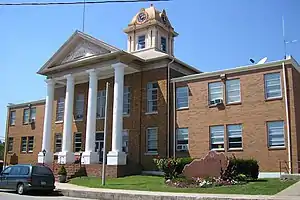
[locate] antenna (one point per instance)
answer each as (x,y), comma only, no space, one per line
(284,41)
(83,16)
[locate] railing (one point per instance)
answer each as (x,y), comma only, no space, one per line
(284,167)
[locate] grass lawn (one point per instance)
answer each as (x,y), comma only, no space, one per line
(156,183)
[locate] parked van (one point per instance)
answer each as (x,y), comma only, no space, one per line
(24,178)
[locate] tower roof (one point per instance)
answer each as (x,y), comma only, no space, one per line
(150,16)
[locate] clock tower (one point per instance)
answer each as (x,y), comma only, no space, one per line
(150,29)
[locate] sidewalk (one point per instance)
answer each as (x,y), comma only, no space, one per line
(114,194)
(293,190)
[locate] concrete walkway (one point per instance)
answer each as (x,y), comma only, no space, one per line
(293,190)
(116,194)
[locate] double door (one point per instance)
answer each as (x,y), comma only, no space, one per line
(99,144)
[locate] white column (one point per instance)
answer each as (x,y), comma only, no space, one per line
(67,156)
(90,156)
(46,144)
(116,156)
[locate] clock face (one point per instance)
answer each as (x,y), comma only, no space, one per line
(141,17)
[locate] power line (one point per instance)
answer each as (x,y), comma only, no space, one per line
(76,2)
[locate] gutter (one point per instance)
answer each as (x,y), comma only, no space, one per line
(174,120)
(6,138)
(168,108)
(287,114)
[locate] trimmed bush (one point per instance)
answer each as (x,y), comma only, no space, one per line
(248,167)
(62,171)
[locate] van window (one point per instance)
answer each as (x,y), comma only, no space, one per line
(15,171)
(24,170)
(7,170)
(41,170)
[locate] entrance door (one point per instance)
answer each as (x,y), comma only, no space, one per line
(99,144)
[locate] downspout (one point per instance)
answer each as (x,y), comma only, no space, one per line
(168,108)
(287,117)
(6,138)
(174,121)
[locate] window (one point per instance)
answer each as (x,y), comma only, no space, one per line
(41,170)
(126,101)
(12,119)
(163,43)
(30,144)
(24,144)
(234,133)
(152,90)
(60,109)
(7,171)
(233,91)
(79,106)
(215,92)
(272,85)
(77,142)
(15,170)
(101,98)
(10,144)
(182,97)
(217,137)
(182,139)
(141,42)
(26,116)
(276,134)
(152,140)
(58,142)
(125,139)
(32,113)
(24,170)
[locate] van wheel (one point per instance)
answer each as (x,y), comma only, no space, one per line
(20,189)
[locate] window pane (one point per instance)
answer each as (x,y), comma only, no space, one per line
(276,133)
(217,137)
(182,139)
(12,117)
(182,97)
(26,116)
(79,106)
(126,101)
(272,85)
(10,144)
(215,91)
(33,113)
(30,144)
(77,142)
(163,42)
(58,142)
(60,109)
(152,140)
(233,91)
(125,140)
(141,42)
(101,98)
(234,133)
(23,144)
(152,98)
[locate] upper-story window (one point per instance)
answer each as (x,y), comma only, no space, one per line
(60,109)
(126,101)
(79,106)
(12,118)
(152,97)
(29,114)
(10,144)
(182,97)
(233,91)
(101,98)
(141,44)
(163,44)
(215,91)
(272,86)
(217,137)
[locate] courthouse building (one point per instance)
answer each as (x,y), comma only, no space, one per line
(158,105)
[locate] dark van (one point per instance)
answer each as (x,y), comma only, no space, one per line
(24,178)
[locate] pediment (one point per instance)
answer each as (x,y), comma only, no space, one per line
(78,46)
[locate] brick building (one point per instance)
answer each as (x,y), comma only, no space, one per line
(157,105)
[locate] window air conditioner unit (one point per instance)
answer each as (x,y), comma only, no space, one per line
(182,147)
(31,121)
(218,101)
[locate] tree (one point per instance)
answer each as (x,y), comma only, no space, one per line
(2,147)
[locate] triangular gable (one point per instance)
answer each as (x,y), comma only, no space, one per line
(78,46)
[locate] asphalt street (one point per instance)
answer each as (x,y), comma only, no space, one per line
(6,195)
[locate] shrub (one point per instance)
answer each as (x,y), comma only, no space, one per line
(171,167)
(247,167)
(62,171)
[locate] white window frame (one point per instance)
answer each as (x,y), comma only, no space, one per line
(234,136)
(138,40)
(283,134)
(24,144)
(29,146)
(180,140)
(56,137)
(60,109)
(126,100)
(161,44)
(211,137)
(79,107)
(152,140)
(10,144)
(74,142)
(12,118)
(185,97)
(210,89)
(101,101)
(266,87)
(150,99)
(229,90)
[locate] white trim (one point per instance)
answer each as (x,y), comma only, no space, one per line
(290,60)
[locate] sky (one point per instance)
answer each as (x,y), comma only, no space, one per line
(213,35)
